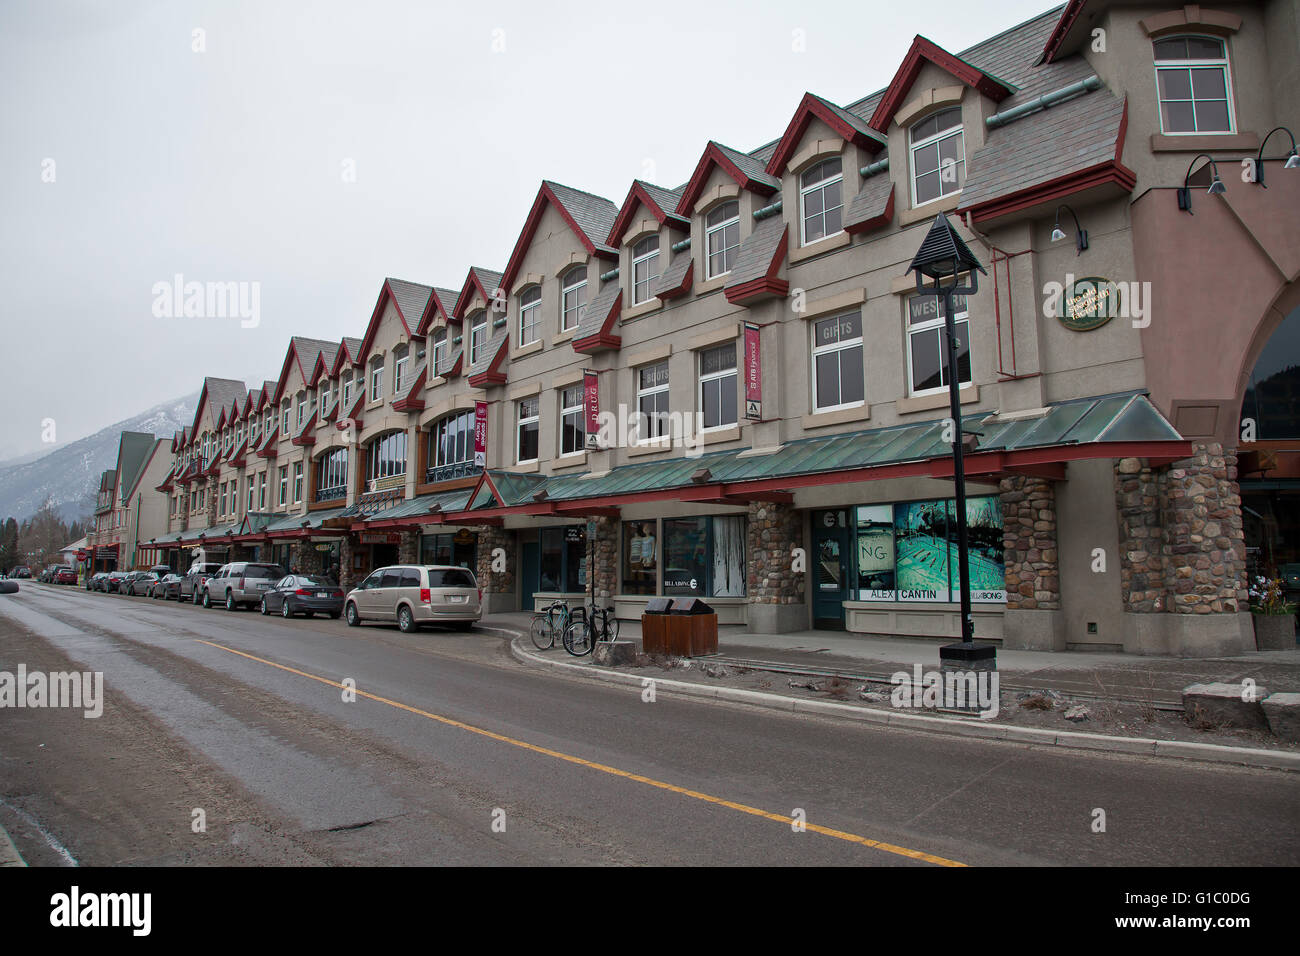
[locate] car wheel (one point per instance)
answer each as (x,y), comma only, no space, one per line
(265,609)
(284,609)
(230,600)
(207,598)
(405,621)
(354,618)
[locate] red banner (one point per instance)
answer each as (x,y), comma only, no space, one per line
(591,402)
(480,434)
(753,374)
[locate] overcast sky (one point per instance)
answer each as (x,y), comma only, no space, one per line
(232,163)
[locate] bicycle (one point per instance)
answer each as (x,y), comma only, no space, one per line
(551,620)
(591,625)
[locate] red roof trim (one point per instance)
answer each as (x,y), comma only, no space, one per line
(682,287)
(492,375)
(809,107)
(768,284)
(412,402)
(1111,172)
(435,304)
(463,300)
(922,51)
(372,329)
(637,195)
(344,355)
(545,195)
(600,342)
(1063,25)
(714,156)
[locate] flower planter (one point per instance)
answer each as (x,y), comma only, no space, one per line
(1274,632)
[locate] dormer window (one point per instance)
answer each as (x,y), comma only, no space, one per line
(722,238)
(530,315)
(478,327)
(284,417)
(302,408)
(573,298)
(376,379)
(1193,85)
(938,156)
(645,268)
(820,200)
(439,351)
(401,357)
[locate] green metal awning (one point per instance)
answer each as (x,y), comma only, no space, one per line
(1105,427)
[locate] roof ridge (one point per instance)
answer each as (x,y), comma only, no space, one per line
(575,189)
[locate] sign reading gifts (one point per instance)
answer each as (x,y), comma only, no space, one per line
(753,373)
(591,403)
(480,434)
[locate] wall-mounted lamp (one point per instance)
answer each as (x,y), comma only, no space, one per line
(1292,160)
(1185,191)
(1081,242)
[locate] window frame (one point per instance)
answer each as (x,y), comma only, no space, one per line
(840,345)
(284,485)
(530,314)
(642,436)
(648,260)
(820,185)
(297,482)
(438,352)
(400,361)
(375,467)
(534,420)
(703,379)
(959,317)
(566,288)
(720,229)
(1189,65)
(934,139)
(568,410)
(477,325)
(376,392)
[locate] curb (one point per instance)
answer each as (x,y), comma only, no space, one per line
(1067,739)
(9,855)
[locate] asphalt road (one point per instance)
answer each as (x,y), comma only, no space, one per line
(454,753)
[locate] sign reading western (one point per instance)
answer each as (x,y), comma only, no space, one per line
(480,434)
(1089,303)
(591,405)
(753,373)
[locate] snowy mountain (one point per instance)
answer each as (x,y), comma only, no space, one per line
(70,474)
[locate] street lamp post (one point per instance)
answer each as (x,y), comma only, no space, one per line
(944,258)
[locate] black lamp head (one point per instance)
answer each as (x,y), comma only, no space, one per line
(943,258)
(1292,159)
(1058,233)
(1216,187)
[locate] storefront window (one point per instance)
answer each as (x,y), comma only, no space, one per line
(640,557)
(564,559)
(704,556)
(459,549)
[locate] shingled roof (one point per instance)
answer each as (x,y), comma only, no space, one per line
(676,279)
(758,261)
(411,299)
(595,329)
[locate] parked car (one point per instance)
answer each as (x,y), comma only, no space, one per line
(196,578)
(98,581)
(138,583)
(21,571)
(47,575)
(413,595)
(65,575)
(113,581)
(166,587)
(308,594)
(240,583)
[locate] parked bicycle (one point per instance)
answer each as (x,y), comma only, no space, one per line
(549,622)
(590,625)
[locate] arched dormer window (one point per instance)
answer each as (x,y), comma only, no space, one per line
(376,378)
(821,200)
(938,156)
(573,297)
(1193,85)
(439,352)
(721,238)
(530,315)
(645,268)
(478,334)
(401,359)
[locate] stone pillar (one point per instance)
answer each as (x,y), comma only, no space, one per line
(408,549)
(499,585)
(1033,619)
(605,571)
(1183,554)
(305,557)
(776,591)
(348,578)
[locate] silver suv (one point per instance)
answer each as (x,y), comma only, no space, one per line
(240,583)
(413,594)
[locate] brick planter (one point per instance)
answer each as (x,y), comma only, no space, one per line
(1274,632)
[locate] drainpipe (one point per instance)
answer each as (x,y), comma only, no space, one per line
(766,211)
(879,166)
(1043,102)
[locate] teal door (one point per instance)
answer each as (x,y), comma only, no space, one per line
(829,562)
(529,568)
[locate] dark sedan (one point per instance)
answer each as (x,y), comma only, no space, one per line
(308,594)
(138,583)
(114,581)
(167,587)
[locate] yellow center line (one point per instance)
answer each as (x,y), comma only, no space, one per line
(605,768)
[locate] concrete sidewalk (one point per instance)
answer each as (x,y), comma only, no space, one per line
(1158,680)
(9,855)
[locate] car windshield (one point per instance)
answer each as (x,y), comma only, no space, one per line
(262,571)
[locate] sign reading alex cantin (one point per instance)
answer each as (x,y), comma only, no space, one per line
(591,402)
(1089,303)
(480,434)
(753,373)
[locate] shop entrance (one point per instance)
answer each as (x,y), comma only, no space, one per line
(382,555)
(830,568)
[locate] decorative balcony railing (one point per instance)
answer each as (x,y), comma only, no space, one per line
(459,469)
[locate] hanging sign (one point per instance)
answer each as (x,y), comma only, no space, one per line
(1089,303)
(480,434)
(753,374)
(591,406)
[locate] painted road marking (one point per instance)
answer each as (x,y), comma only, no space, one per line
(605,768)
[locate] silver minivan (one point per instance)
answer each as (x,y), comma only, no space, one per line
(416,594)
(240,583)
